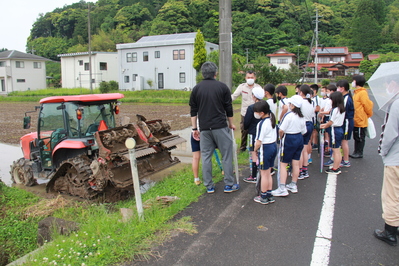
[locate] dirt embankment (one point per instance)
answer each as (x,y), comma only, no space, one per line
(11,118)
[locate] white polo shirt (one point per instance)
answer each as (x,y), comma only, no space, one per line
(293,124)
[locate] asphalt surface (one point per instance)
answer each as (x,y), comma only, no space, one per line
(234,230)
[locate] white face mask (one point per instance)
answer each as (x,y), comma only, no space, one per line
(353,84)
(328,95)
(257,116)
(250,81)
(322,93)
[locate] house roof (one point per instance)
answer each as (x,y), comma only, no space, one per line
(14,54)
(331,50)
(84,53)
(373,56)
(161,40)
(281,52)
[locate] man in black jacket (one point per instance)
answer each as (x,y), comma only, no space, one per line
(211,102)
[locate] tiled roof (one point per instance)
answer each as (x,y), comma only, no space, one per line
(14,54)
(84,53)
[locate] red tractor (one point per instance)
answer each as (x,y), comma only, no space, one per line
(78,149)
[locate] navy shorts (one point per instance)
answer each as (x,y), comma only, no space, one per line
(251,142)
(347,127)
(308,134)
(195,144)
(336,136)
(292,147)
(267,155)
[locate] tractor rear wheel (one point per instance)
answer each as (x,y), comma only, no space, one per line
(22,173)
(73,178)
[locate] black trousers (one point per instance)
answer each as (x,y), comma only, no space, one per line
(359,136)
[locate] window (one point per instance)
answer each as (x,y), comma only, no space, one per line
(145,56)
(134,57)
(282,61)
(160,80)
(80,62)
(103,66)
(182,54)
(157,54)
(127,79)
(324,60)
(175,54)
(182,77)
(19,64)
(87,66)
(337,59)
(37,65)
(2,64)
(134,77)
(20,80)
(129,57)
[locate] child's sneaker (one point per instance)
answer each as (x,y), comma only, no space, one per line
(261,200)
(292,187)
(334,172)
(250,179)
(280,192)
(210,190)
(271,199)
(232,188)
(303,175)
(315,147)
(329,163)
(310,160)
(345,164)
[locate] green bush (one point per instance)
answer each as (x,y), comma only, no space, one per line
(104,87)
(325,82)
(113,85)
(348,78)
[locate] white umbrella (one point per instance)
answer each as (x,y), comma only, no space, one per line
(384,84)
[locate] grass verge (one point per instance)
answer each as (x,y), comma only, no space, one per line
(103,239)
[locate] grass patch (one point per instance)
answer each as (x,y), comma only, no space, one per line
(103,239)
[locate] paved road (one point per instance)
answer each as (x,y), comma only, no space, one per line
(234,230)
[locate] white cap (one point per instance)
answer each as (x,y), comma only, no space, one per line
(296,100)
(258,92)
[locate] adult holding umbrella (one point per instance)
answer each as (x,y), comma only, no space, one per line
(363,110)
(385,86)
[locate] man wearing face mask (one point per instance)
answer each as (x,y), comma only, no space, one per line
(245,90)
(363,110)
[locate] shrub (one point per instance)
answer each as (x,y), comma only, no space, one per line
(104,87)
(325,82)
(113,85)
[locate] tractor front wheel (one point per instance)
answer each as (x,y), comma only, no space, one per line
(22,173)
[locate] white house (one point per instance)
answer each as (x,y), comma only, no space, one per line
(75,69)
(20,72)
(164,60)
(282,59)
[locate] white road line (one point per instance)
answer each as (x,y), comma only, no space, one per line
(322,243)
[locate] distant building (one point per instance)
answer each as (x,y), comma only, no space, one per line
(75,69)
(166,61)
(373,56)
(337,61)
(21,71)
(282,59)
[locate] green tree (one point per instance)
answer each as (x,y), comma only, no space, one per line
(176,14)
(53,70)
(199,51)
(49,47)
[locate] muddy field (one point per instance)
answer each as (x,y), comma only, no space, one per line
(11,117)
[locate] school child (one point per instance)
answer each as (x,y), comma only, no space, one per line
(250,122)
(292,127)
(325,112)
(307,110)
(281,93)
(343,87)
(265,149)
(316,104)
(271,98)
(334,128)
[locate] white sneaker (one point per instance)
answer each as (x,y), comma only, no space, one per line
(280,192)
(292,187)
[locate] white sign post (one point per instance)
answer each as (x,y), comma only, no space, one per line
(130,143)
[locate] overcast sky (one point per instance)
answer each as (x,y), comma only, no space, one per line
(18,16)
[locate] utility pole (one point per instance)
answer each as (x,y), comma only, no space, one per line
(225,43)
(317,44)
(246,51)
(89,33)
(298,56)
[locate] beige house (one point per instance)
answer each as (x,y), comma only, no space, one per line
(282,59)
(75,69)
(21,72)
